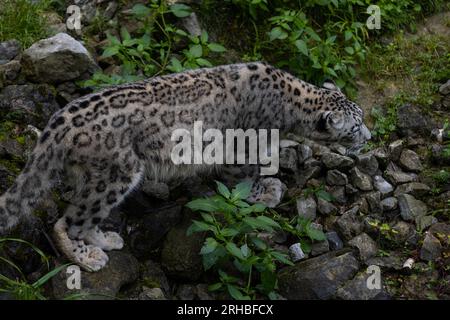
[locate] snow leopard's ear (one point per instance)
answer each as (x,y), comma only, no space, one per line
(331,85)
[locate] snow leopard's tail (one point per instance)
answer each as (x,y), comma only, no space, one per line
(33,184)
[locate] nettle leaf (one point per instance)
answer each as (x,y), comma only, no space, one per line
(241,191)
(124,34)
(204,36)
(236,293)
(140,10)
(260,244)
(234,250)
(110,51)
(315,234)
(175,65)
(302,46)
(277,34)
(257,224)
(268,281)
(223,190)
(268,221)
(180,10)
(348,35)
(229,232)
(207,205)
(349,50)
(215,47)
(245,250)
(209,246)
(199,226)
(196,51)
(210,259)
(282,257)
(203,62)
(215,286)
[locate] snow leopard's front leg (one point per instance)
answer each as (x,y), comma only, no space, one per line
(265,189)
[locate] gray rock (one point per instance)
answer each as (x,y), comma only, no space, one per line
(349,224)
(186,292)
(31,104)
(317,278)
(192,25)
(389,204)
(154,277)
(442,231)
(405,232)
(360,180)
(57,59)
(357,289)
(9,50)
(296,253)
(9,73)
(444,89)
(304,153)
(367,163)
(410,161)
(367,248)
(306,208)
(288,159)
(393,261)
(425,221)
(338,193)
(411,208)
(412,121)
(381,155)
(319,248)
(395,149)
(431,248)
(286,143)
(398,177)
(304,175)
(121,269)
(350,190)
(180,254)
(335,243)
(336,161)
(152,294)
(202,292)
(150,227)
(326,207)
(415,189)
(338,148)
(336,178)
(383,186)
(374,201)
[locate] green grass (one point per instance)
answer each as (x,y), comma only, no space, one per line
(22,20)
(417,64)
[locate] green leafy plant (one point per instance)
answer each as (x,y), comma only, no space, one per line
(20,288)
(234,247)
(158,47)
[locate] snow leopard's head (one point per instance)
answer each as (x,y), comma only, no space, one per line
(340,120)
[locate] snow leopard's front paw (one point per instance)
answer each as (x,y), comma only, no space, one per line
(268,191)
(105,240)
(91,258)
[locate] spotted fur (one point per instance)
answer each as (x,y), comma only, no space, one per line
(103,143)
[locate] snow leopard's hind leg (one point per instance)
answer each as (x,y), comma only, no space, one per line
(266,190)
(77,233)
